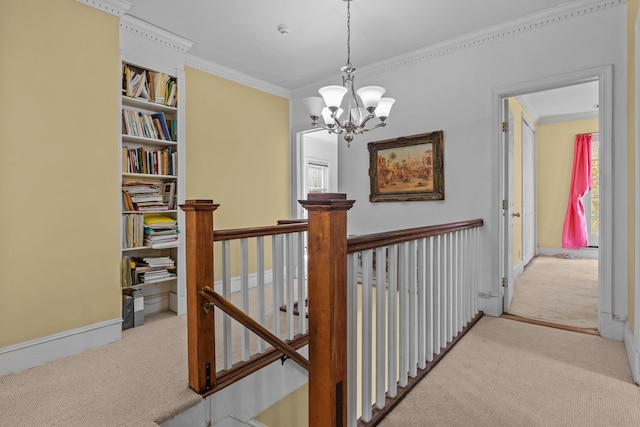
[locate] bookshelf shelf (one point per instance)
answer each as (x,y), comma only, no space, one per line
(145,104)
(151,139)
(137,176)
(148,141)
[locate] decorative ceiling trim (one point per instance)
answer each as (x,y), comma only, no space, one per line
(156,34)
(236,76)
(487,35)
(112,7)
(567,117)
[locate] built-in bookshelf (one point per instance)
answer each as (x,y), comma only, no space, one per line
(150,145)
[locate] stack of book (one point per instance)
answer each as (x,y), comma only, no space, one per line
(132,230)
(147,196)
(160,232)
(152,269)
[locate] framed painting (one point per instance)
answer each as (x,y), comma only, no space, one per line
(409,168)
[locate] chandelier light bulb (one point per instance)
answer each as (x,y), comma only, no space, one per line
(333,95)
(359,113)
(384,107)
(370,96)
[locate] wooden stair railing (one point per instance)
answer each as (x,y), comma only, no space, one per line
(253,326)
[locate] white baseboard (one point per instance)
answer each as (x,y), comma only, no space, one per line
(591,253)
(610,327)
(236,282)
(16,358)
(633,352)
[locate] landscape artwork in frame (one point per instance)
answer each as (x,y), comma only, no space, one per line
(409,168)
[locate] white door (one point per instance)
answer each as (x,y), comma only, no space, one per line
(528,192)
(507,206)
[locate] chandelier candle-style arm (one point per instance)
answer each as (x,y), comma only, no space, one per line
(361,105)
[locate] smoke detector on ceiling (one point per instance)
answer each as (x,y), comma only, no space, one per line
(284,29)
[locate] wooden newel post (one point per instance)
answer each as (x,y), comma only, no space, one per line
(327,273)
(199,272)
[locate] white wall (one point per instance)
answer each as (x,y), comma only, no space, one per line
(453,92)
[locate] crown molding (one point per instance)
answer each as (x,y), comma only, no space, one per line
(568,117)
(156,34)
(487,35)
(236,76)
(112,7)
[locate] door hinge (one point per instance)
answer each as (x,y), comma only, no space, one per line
(505,204)
(505,126)
(504,282)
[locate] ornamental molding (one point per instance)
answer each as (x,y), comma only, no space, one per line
(150,32)
(487,35)
(235,76)
(112,7)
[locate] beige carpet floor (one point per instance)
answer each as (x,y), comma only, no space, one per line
(558,290)
(133,382)
(506,373)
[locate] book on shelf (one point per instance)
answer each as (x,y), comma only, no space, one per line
(158,162)
(169,194)
(160,231)
(132,230)
(145,196)
(145,270)
(154,86)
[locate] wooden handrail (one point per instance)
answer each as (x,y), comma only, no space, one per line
(270,230)
(376,240)
(253,326)
(293,221)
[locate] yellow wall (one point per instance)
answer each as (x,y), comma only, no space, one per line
(518,113)
(59,251)
(290,411)
(554,144)
(232,128)
(633,6)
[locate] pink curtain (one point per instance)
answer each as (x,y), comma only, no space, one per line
(574,232)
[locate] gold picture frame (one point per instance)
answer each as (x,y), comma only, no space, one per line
(409,168)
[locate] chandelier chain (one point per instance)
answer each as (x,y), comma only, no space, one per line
(349,33)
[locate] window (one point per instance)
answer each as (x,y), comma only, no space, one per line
(317,177)
(591,200)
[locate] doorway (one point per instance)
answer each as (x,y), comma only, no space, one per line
(317,165)
(521,220)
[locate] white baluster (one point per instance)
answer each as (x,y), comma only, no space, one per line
(437,287)
(412,299)
(227,338)
(302,285)
(276,291)
(381,317)
(367,269)
(422,332)
(429,304)
(244,294)
(444,281)
(403,316)
(392,319)
(262,317)
(352,340)
(289,251)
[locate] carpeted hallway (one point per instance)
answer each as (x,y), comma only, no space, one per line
(558,290)
(507,373)
(502,373)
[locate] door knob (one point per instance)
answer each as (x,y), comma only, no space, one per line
(516,214)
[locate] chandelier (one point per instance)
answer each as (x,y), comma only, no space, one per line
(360,108)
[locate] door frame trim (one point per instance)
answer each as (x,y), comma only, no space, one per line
(603,75)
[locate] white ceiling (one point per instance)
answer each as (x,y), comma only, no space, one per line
(580,99)
(243,35)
